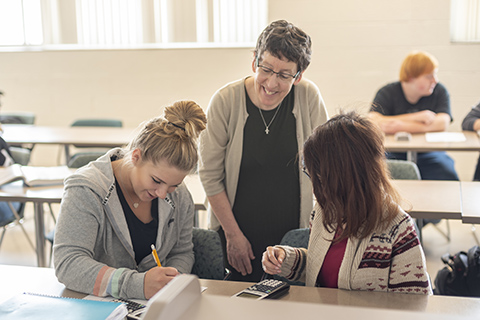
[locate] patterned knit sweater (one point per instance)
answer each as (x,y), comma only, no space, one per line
(391,260)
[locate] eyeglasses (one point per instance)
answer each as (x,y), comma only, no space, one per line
(282,76)
(304,170)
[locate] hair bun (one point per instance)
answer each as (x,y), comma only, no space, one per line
(185,118)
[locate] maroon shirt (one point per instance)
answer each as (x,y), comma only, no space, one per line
(328,275)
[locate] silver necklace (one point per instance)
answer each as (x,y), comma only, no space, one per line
(125,191)
(264,122)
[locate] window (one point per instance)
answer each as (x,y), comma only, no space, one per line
(465,21)
(20,22)
(131,23)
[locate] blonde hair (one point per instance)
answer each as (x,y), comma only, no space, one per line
(417,63)
(173,138)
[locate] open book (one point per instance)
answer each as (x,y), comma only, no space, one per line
(34,176)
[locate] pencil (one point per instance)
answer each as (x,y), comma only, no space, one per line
(155,255)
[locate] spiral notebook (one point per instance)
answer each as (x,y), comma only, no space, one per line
(28,306)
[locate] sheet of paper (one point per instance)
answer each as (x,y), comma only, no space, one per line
(445,137)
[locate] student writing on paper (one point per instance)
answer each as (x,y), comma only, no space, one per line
(417,103)
(249,166)
(472,123)
(116,207)
(360,239)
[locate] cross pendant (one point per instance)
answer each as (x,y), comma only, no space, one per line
(267,131)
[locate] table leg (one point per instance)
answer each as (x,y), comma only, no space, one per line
(67,153)
(412,156)
(40,234)
(420,227)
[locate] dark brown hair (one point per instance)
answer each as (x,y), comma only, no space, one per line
(345,159)
(283,39)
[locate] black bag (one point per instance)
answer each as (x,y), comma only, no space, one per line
(461,275)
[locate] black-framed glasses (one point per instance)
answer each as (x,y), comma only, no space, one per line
(304,170)
(282,76)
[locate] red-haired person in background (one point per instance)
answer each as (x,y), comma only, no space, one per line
(417,103)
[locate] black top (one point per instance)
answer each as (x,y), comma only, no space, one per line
(390,101)
(471,117)
(143,235)
(267,201)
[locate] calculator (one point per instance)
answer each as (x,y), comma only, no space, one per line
(265,289)
(135,309)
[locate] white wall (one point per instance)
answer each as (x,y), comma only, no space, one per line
(358,47)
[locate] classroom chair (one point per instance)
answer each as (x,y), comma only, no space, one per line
(11,214)
(91,154)
(17,118)
(297,238)
(27,118)
(408,170)
(208,255)
(84,158)
(206,248)
(20,155)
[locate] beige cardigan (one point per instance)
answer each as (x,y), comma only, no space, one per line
(221,144)
(389,260)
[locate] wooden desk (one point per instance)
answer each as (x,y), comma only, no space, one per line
(16,192)
(418,143)
(107,137)
(394,301)
(470,201)
(17,279)
(430,199)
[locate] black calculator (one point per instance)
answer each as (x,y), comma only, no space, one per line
(135,309)
(265,289)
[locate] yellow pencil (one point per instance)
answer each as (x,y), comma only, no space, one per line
(155,256)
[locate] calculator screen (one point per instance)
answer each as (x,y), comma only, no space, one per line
(248,295)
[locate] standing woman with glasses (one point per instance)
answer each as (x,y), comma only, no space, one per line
(116,207)
(249,165)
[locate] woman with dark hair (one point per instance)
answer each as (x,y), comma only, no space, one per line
(360,239)
(248,166)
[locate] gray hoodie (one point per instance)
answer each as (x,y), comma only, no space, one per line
(93,252)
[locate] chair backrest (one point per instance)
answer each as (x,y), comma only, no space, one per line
(403,169)
(97,123)
(84,158)
(6,214)
(17,117)
(92,123)
(20,155)
(296,238)
(208,255)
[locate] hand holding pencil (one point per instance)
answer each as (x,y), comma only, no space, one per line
(157,278)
